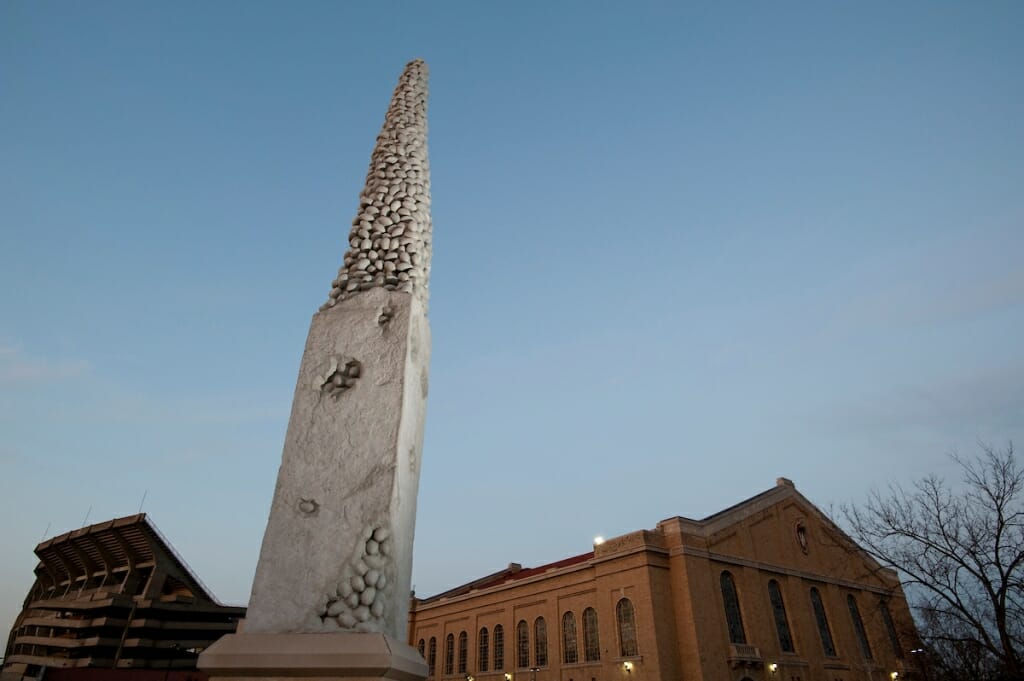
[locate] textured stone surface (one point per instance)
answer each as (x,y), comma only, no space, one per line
(389,245)
(337,552)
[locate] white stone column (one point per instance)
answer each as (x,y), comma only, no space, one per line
(331,594)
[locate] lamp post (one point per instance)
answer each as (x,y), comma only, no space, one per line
(533,673)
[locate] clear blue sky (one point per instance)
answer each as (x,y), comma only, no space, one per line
(680,250)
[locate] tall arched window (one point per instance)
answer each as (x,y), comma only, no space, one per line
(540,642)
(483,652)
(890,628)
(823,631)
(522,645)
(449,655)
(463,650)
(733,616)
(858,626)
(499,647)
(591,640)
(422,647)
(781,621)
(570,651)
(432,657)
(626,621)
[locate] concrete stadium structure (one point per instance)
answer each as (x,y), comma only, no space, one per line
(114,596)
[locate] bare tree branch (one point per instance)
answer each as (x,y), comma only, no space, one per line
(960,554)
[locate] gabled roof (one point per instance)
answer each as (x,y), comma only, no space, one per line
(716,522)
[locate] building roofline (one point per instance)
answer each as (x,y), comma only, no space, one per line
(783,489)
(150,532)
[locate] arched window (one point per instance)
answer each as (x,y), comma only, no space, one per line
(823,631)
(463,650)
(733,616)
(570,651)
(591,641)
(422,647)
(522,645)
(890,628)
(626,620)
(858,626)
(432,657)
(449,655)
(482,650)
(781,621)
(499,647)
(540,642)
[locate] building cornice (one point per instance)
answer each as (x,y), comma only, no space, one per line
(778,569)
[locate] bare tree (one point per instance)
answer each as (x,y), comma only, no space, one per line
(960,554)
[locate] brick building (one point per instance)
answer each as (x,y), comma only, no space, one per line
(769,589)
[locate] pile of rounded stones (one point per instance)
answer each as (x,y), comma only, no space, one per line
(359,601)
(390,241)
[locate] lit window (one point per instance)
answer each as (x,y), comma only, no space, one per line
(733,616)
(482,652)
(781,621)
(449,655)
(432,657)
(626,620)
(890,628)
(522,645)
(858,626)
(540,643)
(499,647)
(823,631)
(591,642)
(570,654)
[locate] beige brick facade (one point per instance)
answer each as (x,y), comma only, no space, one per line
(672,576)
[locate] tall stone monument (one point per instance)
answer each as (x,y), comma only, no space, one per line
(331,593)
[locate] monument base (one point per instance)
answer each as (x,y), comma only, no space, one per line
(352,656)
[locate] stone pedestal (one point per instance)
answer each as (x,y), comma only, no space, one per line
(313,657)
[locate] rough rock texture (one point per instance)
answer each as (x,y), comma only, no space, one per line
(337,552)
(389,245)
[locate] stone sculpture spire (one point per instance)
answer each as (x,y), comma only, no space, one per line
(389,245)
(330,597)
